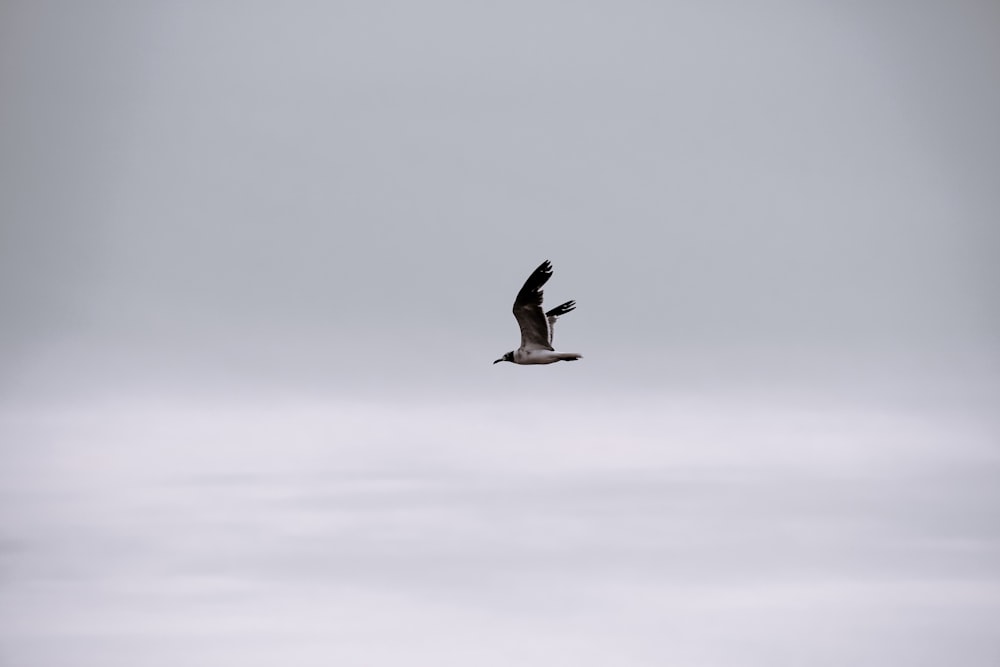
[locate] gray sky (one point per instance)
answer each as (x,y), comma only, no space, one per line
(264,255)
(182,178)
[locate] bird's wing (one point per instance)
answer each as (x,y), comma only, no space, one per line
(554,314)
(528,310)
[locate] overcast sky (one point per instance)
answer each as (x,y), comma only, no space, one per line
(215,188)
(265,253)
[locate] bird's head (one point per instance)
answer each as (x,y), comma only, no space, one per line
(507,357)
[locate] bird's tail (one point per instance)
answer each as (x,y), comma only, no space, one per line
(569,356)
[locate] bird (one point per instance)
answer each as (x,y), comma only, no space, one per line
(536,325)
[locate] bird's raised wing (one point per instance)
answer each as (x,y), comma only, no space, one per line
(528,310)
(554,314)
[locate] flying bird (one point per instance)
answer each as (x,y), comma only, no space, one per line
(536,325)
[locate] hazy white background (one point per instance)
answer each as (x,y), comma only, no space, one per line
(256,259)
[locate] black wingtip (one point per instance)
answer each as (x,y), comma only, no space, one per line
(531,292)
(561,309)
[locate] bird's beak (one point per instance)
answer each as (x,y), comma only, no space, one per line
(498,360)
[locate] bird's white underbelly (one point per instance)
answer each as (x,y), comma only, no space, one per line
(523,356)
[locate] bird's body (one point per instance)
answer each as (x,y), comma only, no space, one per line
(526,357)
(536,325)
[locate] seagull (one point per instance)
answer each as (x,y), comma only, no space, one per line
(536,325)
